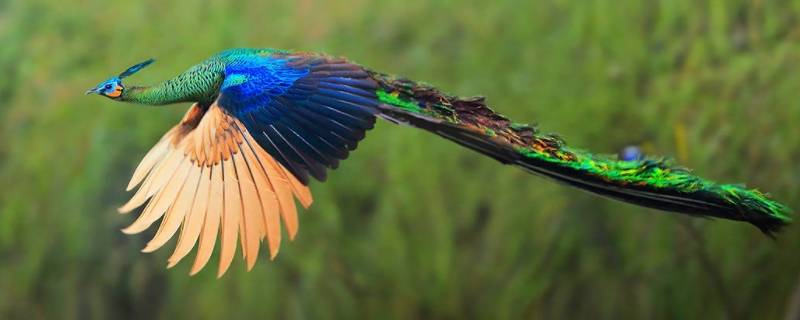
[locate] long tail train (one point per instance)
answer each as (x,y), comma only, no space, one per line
(654,183)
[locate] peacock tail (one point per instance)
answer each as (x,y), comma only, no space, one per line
(265,122)
(651,182)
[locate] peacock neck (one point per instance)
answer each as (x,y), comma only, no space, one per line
(198,84)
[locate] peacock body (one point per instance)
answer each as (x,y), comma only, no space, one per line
(265,122)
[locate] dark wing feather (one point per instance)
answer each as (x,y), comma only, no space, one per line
(307,111)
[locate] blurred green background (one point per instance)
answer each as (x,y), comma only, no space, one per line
(413,226)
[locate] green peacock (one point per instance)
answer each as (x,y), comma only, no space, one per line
(264,122)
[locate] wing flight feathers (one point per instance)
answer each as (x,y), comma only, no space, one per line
(208,178)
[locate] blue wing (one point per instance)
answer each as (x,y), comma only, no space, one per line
(306,111)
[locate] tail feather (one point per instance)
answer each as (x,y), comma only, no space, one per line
(654,183)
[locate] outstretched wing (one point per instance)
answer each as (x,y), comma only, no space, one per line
(308,111)
(209,175)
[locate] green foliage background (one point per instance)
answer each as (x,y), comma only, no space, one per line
(413,226)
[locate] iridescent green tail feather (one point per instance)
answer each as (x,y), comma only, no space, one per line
(654,183)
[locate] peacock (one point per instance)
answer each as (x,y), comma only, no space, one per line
(265,122)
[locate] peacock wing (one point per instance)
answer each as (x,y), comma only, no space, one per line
(209,176)
(308,111)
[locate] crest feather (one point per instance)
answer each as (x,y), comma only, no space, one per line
(135,68)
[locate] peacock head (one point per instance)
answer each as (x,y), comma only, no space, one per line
(113,87)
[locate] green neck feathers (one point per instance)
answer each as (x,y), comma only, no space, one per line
(198,84)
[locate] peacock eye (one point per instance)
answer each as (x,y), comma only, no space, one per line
(108,86)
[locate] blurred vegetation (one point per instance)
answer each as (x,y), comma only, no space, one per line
(413,226)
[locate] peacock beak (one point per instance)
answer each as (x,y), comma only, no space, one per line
(90,91)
